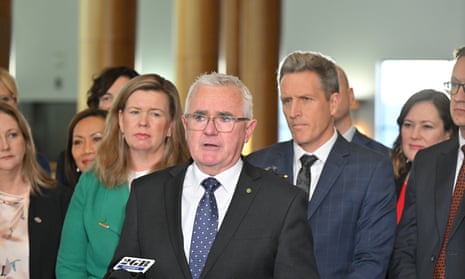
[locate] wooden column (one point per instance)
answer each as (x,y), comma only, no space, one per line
(242,38)
(258,62)
(197,41)
(107,38)
(5,32)
(229,37)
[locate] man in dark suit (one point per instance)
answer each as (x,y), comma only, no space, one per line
(423,238)
(261,229)
(343,119)
(352,200)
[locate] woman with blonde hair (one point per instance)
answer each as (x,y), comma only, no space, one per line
(143,133)
(32,208)
(8,88)
(9,94)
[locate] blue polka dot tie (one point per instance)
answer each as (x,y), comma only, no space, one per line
(205,227)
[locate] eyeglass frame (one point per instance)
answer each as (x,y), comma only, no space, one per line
(234,119)
(450,84)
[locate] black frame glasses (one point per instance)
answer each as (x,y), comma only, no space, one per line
(223,123)
(453,87)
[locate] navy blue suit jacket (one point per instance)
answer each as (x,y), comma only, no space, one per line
(369,143)
(352,211)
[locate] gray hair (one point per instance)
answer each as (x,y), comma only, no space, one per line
(303,61)
(217,79)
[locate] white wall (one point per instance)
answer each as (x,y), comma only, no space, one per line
(45,49)
(358,34)
(155,42)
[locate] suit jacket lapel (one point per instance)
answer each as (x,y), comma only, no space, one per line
(243,197)
(450,159)
(284,161)
(334,164)
(359,138)
(173,195)
(445,181)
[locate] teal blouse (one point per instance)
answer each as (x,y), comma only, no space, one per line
(92,227)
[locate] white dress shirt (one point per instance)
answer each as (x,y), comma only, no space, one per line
(321,153)
(349,135)
(192,194)
(459,159)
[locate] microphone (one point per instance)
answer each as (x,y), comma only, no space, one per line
(130,267)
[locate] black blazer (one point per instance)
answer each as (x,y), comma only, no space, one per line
(46,214)
(424,220)
(264,233)
(370,143)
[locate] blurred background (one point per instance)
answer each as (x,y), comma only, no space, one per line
(389,49)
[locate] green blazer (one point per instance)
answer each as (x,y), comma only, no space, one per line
(91,229)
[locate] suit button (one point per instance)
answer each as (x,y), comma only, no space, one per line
(432,258)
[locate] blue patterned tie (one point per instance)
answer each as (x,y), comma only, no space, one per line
(205,227)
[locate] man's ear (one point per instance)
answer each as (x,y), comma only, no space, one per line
(250,127)
(334,101)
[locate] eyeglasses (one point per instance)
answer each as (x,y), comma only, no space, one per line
(453,87)
(223,123)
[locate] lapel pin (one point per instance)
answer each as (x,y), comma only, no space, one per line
(38,220)
(101,224)
(248,190)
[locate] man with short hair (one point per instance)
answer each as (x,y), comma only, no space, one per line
(246,223)
(430,240)
(351,192)
(343,118)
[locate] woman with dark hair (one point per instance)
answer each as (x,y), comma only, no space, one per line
(424,120)
(84,132)
(106,86)
(104,89)
(32,208)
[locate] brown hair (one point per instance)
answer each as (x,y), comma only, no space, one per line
(104,81)
(112,155)
(441,103)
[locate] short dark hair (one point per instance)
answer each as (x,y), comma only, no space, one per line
(104,81)
(459,52)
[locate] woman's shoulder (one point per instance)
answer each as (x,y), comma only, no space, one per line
(88,182)
(54,195)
